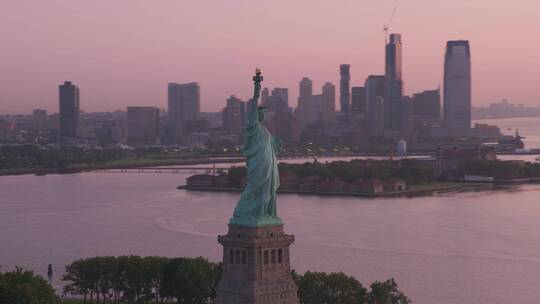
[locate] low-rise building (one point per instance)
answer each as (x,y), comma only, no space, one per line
(395,184)
(143,125)
(221,180)
(7,132)
(334,184)
(486,131)
(448,160)
(208,180)
(200,180)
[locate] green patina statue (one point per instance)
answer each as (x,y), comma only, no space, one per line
(257,204)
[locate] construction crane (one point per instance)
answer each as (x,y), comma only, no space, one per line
(387,25)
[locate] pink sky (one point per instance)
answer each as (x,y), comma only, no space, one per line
(124,52)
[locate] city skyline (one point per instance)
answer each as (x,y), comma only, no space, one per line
(269,152)
(139,56)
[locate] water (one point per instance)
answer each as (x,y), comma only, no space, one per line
(475,247)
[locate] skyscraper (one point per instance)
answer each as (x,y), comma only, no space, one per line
(69,110)
(393,57)
(344,85)
(306,88)
(184,105)
(358,100)
(328,107)
(143,125)
(375,90)
(394,83)
(457,88)
(304,111)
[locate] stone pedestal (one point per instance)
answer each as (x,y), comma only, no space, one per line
(256,266)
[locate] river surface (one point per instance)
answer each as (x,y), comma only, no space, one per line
(452,248)
(470,247)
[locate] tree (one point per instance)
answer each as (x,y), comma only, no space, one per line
(190,281)
(387,292)
(24,287)
(498,169)
(135,289)
(135,279)
(81,283)
(323,288)
(153,272)
(347,171)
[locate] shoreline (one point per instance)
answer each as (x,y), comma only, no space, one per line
(505,117)
(89,168)
(426,190)
(201,161)
(514,181)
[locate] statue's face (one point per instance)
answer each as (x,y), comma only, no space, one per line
(260,112)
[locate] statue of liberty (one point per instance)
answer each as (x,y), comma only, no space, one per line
(257,204)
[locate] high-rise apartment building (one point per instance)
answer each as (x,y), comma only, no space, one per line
(39,119)
(344,87)
(328,107)
(427,104)
(265,93)
(281,94)
(69,110)
(278,117)
(394,83)
(277,100)
(234,117)
(284,123)
(358,100)
(407,121)
(184,105)
(143,125)
(457,88)
(316,108)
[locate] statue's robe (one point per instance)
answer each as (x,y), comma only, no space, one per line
(257,204)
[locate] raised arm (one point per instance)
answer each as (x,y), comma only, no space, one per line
(254,104)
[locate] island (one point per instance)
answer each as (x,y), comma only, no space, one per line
(359,177)
(450,170)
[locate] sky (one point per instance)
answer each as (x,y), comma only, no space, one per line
(124,52)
